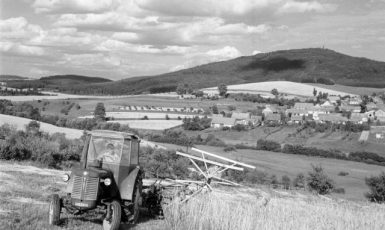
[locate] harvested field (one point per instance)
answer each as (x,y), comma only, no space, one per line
(150,124)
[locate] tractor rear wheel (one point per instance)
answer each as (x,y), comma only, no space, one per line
(137,201)
(114,221)
(54,210)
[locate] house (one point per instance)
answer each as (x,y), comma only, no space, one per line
(351,108)
(296,119)
(380,115)
(326,104)
(358,118)
(221,122)
(371,106)
(255,120)
(378,100)
(299,112)
(269,110)
(303,105)
(355,101)
(333,118)
(273,117)
(241,118)
(379,131)
(334,99)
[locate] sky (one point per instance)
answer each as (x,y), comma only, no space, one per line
(119,39)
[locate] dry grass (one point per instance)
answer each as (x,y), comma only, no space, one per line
(216,211)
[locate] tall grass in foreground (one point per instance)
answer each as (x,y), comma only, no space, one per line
(235,211)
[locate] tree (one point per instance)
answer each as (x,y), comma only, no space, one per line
(275,92)
(100,112)
(286,182)
(314,92)
(180,89)
(319,182)
(33,127)
(215,109)
(376,185)
(222,89)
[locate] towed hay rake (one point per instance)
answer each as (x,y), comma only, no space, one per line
(159,193)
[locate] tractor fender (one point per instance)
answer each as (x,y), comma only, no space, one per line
(127,186)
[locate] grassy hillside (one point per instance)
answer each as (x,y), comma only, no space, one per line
(25,196)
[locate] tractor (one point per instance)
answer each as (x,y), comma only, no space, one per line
(108,181)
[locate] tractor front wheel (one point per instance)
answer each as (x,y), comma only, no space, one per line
(112,222)
(54,210)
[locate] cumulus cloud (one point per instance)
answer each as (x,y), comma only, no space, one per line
(73,6)
(255,52)
(20,50)
(18,28)
(301,7)
(215,55)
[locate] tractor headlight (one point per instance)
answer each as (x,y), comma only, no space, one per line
(66,177)
(107,181)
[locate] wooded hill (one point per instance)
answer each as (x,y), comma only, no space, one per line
(312,65)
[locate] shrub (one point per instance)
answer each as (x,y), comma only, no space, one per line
(319,182)
(196,123)
(376,185)
(342,173)
(239,127)
(229,149)
(268,145)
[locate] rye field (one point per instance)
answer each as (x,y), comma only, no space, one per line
(26,190)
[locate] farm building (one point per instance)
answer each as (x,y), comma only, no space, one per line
(220,122)
(187,96)
(333,118)
(358,118)
(299,112)
(255,120)
(241,118)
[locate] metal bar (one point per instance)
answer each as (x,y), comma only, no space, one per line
(209,161)
(224,158)
(204,160)
(199,168)
(218,178)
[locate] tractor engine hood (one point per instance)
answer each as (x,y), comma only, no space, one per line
(91,172)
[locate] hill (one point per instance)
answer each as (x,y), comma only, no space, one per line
(299,65)
(4,77)
(59,82)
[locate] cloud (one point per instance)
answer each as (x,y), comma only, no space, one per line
(17,29)
(20,50)
(216,55)
(301,7)
(255,52)
(73,6)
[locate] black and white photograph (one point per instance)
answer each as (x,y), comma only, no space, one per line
(192,114)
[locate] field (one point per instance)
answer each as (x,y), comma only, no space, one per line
(20,123)
(280,164)
(150,124)
(24,206)
(286,87)
(350,89)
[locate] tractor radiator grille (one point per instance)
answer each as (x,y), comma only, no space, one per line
(85,188)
